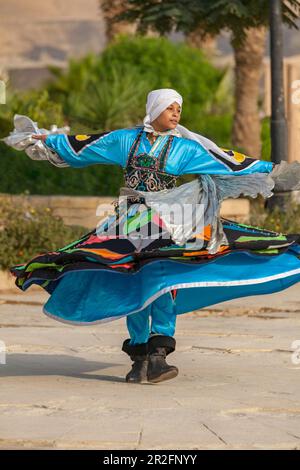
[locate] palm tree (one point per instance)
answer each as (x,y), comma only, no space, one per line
(111,9)
(248,68)
(207,44)
(246,20)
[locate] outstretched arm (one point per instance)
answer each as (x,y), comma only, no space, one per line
(83,150)
(198,160)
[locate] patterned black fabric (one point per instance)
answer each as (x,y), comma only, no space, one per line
(145,172)
(79,142)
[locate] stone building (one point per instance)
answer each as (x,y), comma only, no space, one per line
(35,34)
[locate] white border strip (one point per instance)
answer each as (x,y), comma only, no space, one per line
(184,285)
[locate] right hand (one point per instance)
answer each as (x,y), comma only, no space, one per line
(39,137)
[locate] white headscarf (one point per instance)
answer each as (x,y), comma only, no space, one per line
(157,102)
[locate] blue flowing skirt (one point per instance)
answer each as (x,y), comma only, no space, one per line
(102,277)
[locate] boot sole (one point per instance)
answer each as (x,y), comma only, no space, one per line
(137,382)
(171,374)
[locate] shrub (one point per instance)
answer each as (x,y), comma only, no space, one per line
(34,103)
(165,64)
(137,65)
(282,221)
(217,127)
(26,232)
(266,139)
(19,173)
(106,92)
(115,100)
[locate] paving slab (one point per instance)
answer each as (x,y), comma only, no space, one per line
(63,386)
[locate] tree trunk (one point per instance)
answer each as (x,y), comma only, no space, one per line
(110,9)
(248,69)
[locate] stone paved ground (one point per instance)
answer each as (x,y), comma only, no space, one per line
(63,386)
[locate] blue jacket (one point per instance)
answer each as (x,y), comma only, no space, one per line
(185,157)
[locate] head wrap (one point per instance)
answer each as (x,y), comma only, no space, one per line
(157,102)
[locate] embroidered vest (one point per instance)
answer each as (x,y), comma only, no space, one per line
(145,172)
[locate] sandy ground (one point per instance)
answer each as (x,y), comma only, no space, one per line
(63,387)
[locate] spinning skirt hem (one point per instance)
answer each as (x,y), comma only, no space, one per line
(99,299)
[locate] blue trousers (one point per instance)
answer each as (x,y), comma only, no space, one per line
(163,320)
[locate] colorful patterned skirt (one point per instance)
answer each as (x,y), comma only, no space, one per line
(111,272)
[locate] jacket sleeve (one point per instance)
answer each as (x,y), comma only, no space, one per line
(201,161)
(83,150)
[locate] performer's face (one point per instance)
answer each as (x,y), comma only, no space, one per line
(168,119)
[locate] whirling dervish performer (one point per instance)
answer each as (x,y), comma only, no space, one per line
(165,250)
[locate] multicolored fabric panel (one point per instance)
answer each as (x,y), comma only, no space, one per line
(114,245)
(146,172)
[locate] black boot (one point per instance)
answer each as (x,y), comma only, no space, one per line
(159,347)
(139,354)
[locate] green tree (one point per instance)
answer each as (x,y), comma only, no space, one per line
(106,92)
(109,91)
(110,9)
(246,20)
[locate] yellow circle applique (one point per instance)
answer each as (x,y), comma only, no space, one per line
(82,137)
(239,157)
